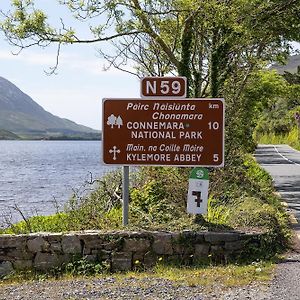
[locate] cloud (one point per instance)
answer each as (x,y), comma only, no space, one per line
(68,60)
(31,58)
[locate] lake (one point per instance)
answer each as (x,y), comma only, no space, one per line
(35,175)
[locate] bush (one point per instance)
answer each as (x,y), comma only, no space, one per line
(241,197)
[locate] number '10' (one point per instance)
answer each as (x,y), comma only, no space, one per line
(213,125)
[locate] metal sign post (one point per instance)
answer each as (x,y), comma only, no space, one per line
(125,194)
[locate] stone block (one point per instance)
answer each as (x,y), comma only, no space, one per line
(199,238)
(136,245)
(162,243)
(46,261)
(91,240)
(234,246)
(150,259)
(54,238)
(201,251)
(217,249)
(96,244)
(103,254)
(37,244)
(217,238)
(91,258)
(121,261)
(19,254)
(55,247)
(12,241)
(138,257)
(71,244)
(139,235)
(22,264)
(115,244)
(6,268)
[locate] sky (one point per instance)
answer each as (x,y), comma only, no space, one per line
(76,91)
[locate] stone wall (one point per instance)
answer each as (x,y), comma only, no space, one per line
(119,251)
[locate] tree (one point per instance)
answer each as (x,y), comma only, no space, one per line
(216,44)
(112,119)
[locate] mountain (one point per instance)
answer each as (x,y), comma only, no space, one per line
(7,135)
(291,65)
(23,117)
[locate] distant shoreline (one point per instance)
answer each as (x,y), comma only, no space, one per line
(51,139)
(76,136)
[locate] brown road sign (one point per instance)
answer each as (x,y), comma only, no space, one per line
(187,132)
(155,87)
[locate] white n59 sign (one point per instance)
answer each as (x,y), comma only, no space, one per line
(163,87)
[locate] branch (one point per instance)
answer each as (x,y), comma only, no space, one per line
(17,208)
(148,29)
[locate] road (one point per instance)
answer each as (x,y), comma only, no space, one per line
(283,163)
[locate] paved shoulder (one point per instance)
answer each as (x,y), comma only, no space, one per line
(283,163)
(285,284)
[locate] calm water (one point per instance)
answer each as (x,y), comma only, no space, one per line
(34,173)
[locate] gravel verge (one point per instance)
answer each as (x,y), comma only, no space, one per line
(129,288)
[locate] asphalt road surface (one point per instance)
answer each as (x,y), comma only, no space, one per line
(283,163)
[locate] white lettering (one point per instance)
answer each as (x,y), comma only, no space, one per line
(151,87)
(153,135)
(137,106)
(155,125)
(192,148)
(173,106)
(149,157)
(187,157)
(192,135)
(132,147)
(170,148)
(164,116)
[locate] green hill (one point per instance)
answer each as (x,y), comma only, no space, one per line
(22,116)
(7,135)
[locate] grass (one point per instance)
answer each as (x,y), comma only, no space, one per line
(292,138)
(231,275)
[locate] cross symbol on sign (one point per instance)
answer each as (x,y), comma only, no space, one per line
(198,199)
(114,150)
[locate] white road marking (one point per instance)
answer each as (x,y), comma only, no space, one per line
(285,157)
(292,217)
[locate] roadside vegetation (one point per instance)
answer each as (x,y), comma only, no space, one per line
(277,123)
(241,197)
(207,276)
(223,50)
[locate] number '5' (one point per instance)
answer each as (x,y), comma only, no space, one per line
(216,157)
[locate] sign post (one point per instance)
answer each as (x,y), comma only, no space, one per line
(164,128)
(198,191)
(125,197)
